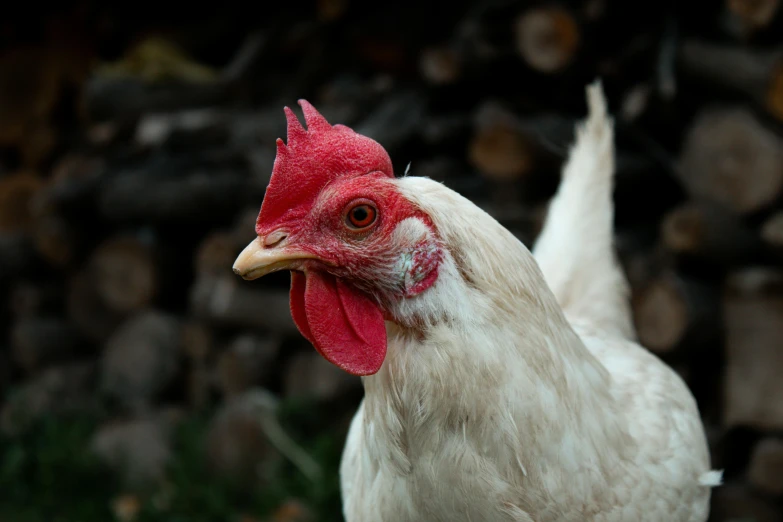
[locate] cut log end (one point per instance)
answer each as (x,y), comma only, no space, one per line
(217,253)
(125,275)
(765,472)
(661,316)
(120,278)
(500,153)
(709,233)
(246,363)
(499,149)
(774,99)
(16,196)
(753,14)
(683,229)
(755,282)
(753,312)
(54,239)
(38,341)
(140,359)
(735,502)
(673,312)
(331,9)
(222,301)
(87,310)
(440,65)
(547,38)
(730,158)
(772,231)
(751,72)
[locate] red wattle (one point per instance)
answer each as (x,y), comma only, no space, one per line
(343,323)
(297,304)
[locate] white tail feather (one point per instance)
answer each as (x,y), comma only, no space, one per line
(575,248)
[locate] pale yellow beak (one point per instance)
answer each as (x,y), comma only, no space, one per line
(256,260)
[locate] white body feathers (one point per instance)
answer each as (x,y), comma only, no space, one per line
(512,389)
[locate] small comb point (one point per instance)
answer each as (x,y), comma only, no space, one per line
(313,118)
(280,146)
(295,129)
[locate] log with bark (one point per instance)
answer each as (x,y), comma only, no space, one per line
(772,233)
(753,315)
(198,342)
(55,239)
(17,255)
(87,309)
(17,192)
(124,98)
(34,81)
(69,193)
(175,191)
(31,299)
(223,301)
(756,74)
(709,234)
(395,119)
(247,362)
(41,341)
(217,252)
(749,16)
(737,501)
(765,472)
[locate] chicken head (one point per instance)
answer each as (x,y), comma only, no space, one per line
(333,216)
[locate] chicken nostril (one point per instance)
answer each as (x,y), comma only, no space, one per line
(275,238)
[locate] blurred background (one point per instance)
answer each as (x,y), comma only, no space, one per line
(140,380)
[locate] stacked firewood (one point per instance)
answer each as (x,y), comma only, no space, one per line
(130,181)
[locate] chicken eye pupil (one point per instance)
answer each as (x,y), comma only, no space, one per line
(361,216)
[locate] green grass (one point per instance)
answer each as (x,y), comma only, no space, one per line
(47,474)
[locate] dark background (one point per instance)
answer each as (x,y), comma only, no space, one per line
(141,380)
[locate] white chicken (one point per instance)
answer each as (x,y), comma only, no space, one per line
(499,385)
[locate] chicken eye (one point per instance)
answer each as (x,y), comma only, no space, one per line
(361,216)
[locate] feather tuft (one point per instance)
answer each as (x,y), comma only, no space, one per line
(711,478)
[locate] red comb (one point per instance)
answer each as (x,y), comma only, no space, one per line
(312,159)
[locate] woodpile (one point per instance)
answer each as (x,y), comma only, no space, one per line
(133,166)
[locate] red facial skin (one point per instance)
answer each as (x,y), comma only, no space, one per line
(367,257)
(341,302)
